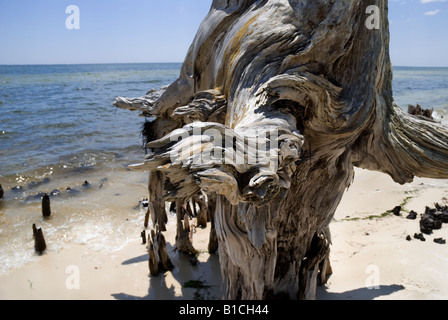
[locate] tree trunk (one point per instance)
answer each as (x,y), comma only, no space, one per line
(153,262)
(213,243)
(156,208)
(183,241)
(277,100)
(159,259)
(202,215)
(165,261)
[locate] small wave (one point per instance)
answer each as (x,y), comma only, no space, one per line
(151,81)
(49,126)
(100,216)
(441,115)
(154,81)
(134,90)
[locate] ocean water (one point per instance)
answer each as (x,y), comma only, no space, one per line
(62,115)
(425,86)
(58,129)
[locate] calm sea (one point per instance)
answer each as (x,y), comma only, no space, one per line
(61,116)
(58,128)
(56,117)
(425,86)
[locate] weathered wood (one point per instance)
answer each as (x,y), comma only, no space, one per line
(173,207)
(189,209)
(141,103)
(325,271)
(309,83)
(156,199)
(159,259)
(213,243)
(153,261)
(202,215)
(417,110)
(183,242)
(39,241)
(165,262)
(143,235)
(46,208)
(147,214)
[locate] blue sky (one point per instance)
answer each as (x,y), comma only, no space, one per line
(115,31)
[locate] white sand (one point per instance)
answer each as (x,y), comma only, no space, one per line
(81,273)
(375,253)
(364,253)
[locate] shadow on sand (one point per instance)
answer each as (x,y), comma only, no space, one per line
(358,294)
(208,273)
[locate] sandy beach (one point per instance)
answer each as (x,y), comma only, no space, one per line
(223,95)
(371,257)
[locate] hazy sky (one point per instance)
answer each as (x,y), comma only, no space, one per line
(113,31)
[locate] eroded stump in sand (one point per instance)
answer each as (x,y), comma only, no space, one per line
(146,223)
(153,261)
(213,243)
(39,241)
(165,261)
(183,240)
(417,110)
(202,214)
(143,235)
(156,205)
(159,259)
(46,208)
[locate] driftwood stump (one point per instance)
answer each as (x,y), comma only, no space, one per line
(202,215)
(46,208)
(153,261)
(39,241)
(417,110)
(159,259)
(156,208)
(143,235)
(165,261)
(213,243)
(183,239)
(276,102)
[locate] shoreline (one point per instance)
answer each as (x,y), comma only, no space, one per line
(366,251)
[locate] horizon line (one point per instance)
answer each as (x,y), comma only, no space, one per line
(80,63)
(165,62)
